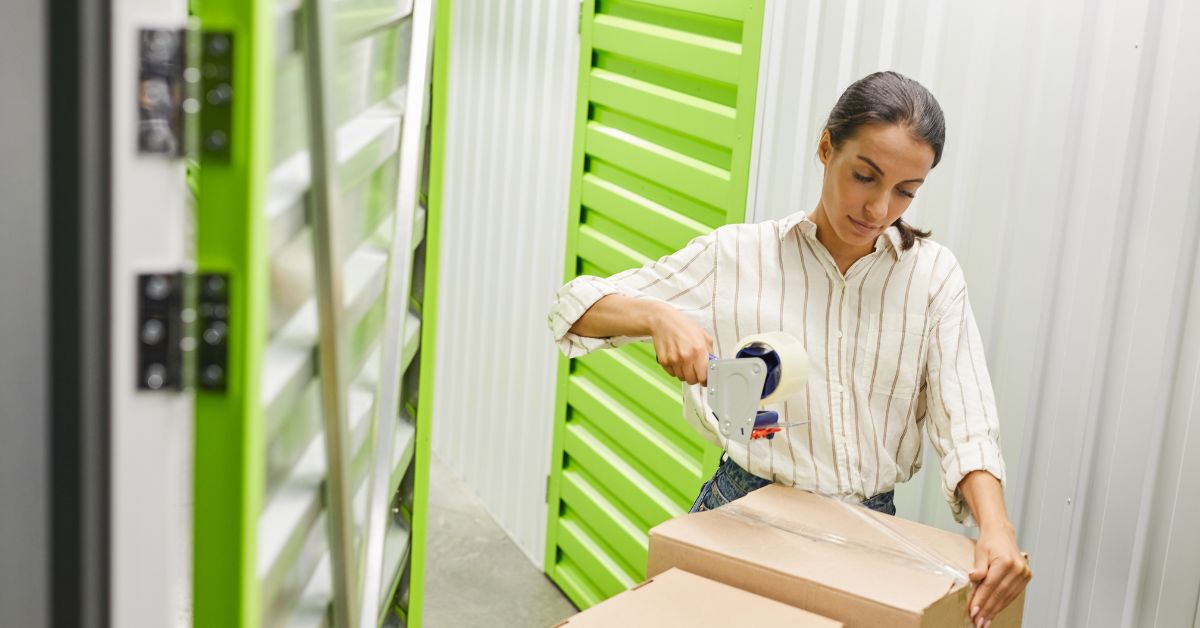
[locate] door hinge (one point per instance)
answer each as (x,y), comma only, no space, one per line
(182,331)
(162,63)
(212,353)
(546,497)
(185,93)
(215,94)
(160,331)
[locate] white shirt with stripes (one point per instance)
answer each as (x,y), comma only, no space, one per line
(893,344)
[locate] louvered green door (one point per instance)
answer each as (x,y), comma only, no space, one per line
(663,134)
(307,183)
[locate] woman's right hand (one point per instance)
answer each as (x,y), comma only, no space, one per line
(682,346)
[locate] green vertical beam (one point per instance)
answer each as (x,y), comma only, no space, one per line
(587,12)
(433,246)
(229,468)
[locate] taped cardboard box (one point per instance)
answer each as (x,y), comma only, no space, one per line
(678,598)
(838,560)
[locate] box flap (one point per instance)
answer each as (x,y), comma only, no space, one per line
(678,598)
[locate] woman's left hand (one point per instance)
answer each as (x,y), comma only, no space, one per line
(1001,573)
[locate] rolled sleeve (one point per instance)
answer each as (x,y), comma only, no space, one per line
(964,425)
(976,455)
(571,301)
(682,279)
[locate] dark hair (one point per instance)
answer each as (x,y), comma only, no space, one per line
(890,98)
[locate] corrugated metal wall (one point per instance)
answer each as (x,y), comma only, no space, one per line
(513,68)
(1070,191)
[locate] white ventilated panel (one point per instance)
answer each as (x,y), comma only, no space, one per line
(510,107)
(1070,192)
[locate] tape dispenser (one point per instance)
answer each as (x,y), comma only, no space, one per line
(767,368)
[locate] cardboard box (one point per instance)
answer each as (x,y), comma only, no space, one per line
(678,598)
(814,553)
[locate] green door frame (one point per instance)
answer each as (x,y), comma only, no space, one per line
(230,465)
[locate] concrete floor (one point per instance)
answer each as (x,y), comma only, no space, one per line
(475,575)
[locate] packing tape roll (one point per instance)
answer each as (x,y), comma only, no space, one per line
(793,363)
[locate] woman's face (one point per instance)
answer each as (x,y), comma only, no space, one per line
(870,181)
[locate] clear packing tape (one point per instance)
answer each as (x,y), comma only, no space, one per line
(793,363)
(902,549)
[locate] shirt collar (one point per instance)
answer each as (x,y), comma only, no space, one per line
(891,236)
(800,220)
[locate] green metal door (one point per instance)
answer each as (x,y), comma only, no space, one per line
(309,479)
(664,127)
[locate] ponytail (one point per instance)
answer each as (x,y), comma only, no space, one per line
(909,234)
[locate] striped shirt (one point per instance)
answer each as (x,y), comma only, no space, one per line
(893,344)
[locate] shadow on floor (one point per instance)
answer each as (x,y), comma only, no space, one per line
(475,575)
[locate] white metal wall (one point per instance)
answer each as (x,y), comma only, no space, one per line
(510,107)
(151,433)
(1070,191)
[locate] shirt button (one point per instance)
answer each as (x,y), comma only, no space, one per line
(837,334)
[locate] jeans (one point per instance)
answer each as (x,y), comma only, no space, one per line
(732,482)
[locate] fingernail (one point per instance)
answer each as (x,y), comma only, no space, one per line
(987,623)
(974,612)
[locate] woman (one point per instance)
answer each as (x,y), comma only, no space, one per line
(881,309)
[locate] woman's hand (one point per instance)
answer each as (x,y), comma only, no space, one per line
(1001,570)
(1001,573)
(682,346)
